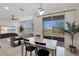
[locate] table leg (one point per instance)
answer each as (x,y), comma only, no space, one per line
(22,48)
(55,51)
(52,52)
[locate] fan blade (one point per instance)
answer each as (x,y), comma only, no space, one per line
(16,19)
(12,18)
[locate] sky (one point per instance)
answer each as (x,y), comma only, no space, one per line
(53,23)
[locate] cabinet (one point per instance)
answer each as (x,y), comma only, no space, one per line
(15,41)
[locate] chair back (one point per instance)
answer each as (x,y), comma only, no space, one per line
(40,45)
(27,43)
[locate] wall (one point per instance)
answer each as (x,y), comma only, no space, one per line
(38,29)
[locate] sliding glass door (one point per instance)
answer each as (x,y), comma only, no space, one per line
(52,26)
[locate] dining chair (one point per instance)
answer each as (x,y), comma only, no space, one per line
(41,49)
(28,47)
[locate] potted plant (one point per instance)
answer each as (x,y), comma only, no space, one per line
(72,30)
(21,29)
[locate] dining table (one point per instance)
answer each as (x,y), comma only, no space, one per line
(51,45)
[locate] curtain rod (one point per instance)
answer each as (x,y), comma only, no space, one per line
(58,12)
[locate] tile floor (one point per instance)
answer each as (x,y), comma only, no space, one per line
(7,50)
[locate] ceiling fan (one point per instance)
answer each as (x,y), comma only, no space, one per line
(13,17)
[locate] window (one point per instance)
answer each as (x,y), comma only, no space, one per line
(12,28)
(52,25)
(28,26)
(8,29)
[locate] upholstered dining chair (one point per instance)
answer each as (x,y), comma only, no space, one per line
(28,47)
(41,49)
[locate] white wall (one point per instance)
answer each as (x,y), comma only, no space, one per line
(38,28)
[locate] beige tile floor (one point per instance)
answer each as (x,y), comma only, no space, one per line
(7,50)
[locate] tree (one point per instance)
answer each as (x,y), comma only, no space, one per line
(21,28)
(72,30)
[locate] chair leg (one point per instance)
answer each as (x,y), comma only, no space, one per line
(35,53)
(0,46)
(30,53)
(36,50)
(26,53)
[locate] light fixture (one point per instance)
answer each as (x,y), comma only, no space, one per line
(41,10)
(6,8)
(21,9)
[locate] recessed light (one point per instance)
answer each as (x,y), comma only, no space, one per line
(6,8)
(21,9)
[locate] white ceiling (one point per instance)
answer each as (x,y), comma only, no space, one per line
(30,9)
